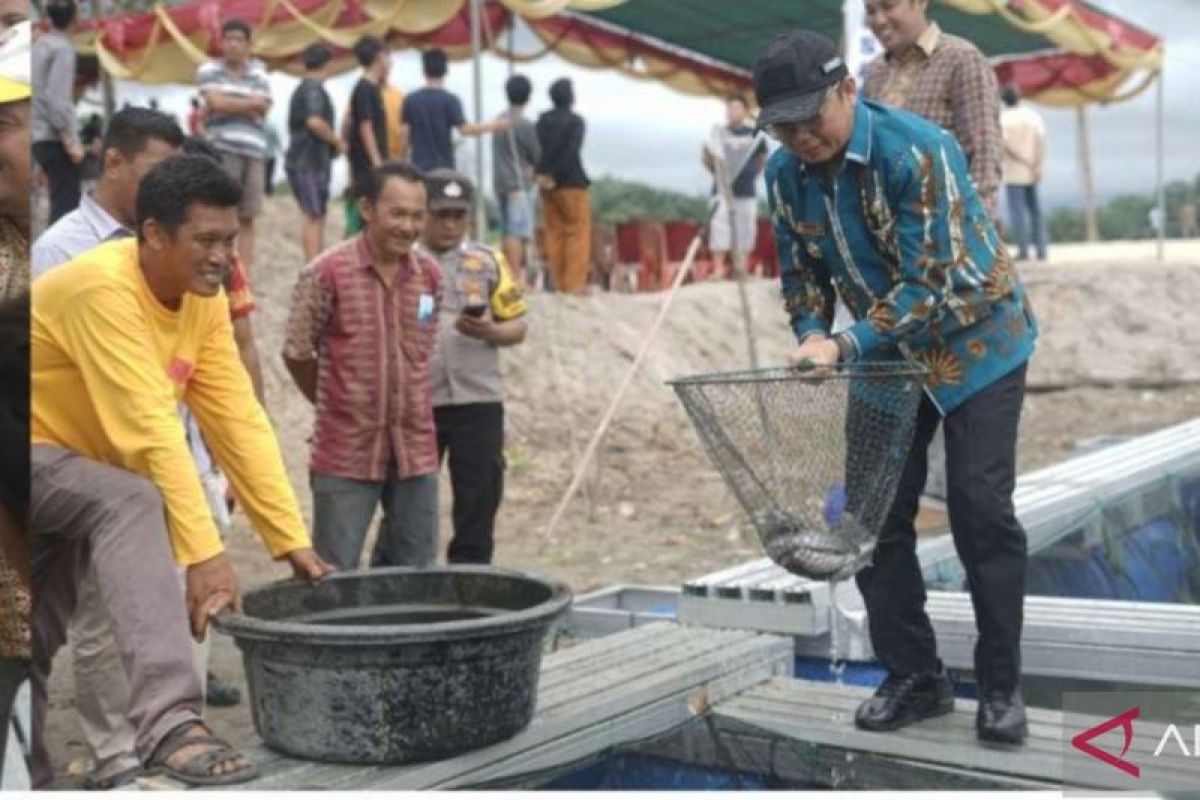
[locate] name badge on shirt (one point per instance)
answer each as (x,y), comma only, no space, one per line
(425,308)
(810,229)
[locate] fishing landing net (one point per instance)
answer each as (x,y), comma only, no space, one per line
(812,455)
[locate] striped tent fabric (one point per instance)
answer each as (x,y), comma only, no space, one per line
(1058,52)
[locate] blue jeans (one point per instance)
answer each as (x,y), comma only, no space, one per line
(343,509)
(1022,199)
(518,210)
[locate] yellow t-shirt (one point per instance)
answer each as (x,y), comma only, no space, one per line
(110,365)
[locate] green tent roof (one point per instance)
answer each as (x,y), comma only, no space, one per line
(736,31)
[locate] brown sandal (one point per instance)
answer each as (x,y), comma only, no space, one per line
(197,770)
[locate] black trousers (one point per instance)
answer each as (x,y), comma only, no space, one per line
(981,439)
(472,436)
(63,175)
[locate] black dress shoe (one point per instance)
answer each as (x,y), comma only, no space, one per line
(1001,718)
(904,699)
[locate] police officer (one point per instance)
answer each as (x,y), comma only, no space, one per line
(482,310)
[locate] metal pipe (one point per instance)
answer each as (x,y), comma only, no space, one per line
(1161,134)
(477,85)
(1085,168)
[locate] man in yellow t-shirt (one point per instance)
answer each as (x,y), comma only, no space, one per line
(119,336)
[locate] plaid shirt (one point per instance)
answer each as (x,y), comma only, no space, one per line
(947,80)
(373,344)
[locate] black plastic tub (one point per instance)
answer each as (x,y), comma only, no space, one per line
(396,665)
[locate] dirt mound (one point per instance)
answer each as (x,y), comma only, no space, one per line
(1116,329)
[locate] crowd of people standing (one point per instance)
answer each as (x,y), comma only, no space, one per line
(148,421)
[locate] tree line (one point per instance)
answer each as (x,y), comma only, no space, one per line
(1126,216)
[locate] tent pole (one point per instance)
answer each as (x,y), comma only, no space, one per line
(106,81)
(512,27)
(1085,166)
(1161,200)
(477,80)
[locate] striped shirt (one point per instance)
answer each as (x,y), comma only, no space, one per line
(373,344)
(243,134)
(948,81)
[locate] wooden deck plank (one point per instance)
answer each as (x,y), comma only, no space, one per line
(600,695)
(838,707)
(664,645)
(808,716)
(590,717)
(791,765)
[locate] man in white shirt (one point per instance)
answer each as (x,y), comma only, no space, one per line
(1024,154)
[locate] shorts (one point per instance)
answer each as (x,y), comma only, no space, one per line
(311,190)
(745,217)
(250,174)
(517,213)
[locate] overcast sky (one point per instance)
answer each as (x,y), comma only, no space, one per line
(644,131)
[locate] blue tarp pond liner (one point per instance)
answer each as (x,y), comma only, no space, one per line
(633,771)
(1156,562)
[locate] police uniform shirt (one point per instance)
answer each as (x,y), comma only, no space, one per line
(465,369)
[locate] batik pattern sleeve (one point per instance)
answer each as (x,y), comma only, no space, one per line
(949,271)
(108,340)
(237,430)
(808,295)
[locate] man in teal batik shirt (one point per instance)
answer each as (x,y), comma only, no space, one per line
(877,205)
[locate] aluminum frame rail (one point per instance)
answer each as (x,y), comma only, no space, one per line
(1052,501)
(1155,644)
(1049,502)
(1120,641)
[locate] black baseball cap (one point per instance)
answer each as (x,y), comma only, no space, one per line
(792,74)
(446,188)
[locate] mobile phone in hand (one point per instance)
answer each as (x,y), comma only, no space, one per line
(474,311)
